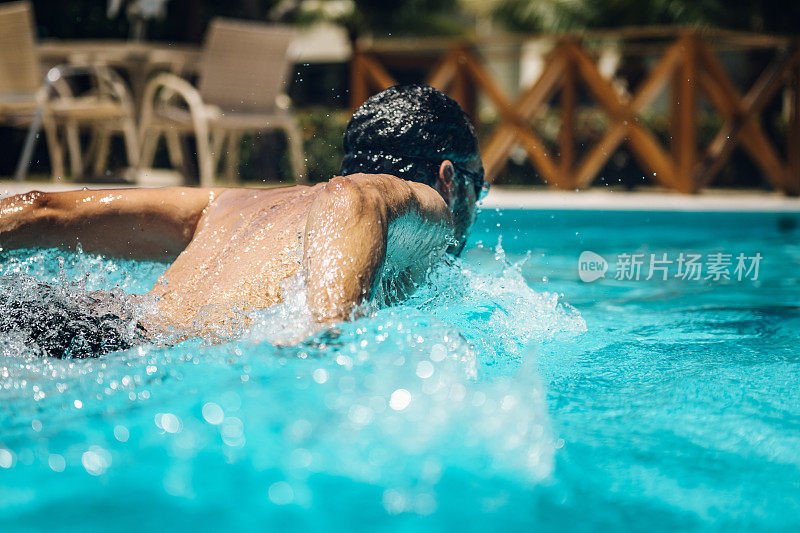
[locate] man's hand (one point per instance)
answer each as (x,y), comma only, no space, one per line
(133,223)
(361,225)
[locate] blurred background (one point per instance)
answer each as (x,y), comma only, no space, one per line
(675,94)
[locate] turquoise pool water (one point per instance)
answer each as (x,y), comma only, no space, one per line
(505,395)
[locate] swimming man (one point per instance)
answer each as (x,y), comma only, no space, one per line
(410,179)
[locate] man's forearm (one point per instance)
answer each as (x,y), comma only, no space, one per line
(132,223)
(23,221)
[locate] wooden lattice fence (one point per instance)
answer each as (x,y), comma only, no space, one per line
(687,67)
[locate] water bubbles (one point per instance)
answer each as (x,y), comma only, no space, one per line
(425,369)
(393,501)
(232,432)
(400,399)
(425,504)
(300,458)
(212,413)
(457,392)
(96,460)
(360,415)
(56,462)
(301,429)
(320,375)
(281,493)
(438,352)
(6,458)
(508,402)
(121,433)
(169,422)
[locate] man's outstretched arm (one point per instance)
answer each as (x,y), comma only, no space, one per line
(134,223)
(361,224)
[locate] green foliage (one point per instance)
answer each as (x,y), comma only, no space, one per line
(558,15)
(408,17)
(323,129)
(264,157)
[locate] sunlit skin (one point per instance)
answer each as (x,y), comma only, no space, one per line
(232,248)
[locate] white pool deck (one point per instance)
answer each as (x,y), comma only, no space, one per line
(543,198)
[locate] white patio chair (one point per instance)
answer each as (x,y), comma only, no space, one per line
(243,73)
(27,99)
(20,77)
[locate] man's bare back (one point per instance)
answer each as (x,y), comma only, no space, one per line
(246,243)
(232,248)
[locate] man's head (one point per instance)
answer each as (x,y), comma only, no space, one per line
(417,133)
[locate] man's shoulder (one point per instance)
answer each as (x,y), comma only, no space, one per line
(384,184)
(364,192)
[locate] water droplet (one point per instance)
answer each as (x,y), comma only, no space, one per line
(400,399)
(212,413)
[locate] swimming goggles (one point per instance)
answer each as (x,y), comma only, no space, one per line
(480,190)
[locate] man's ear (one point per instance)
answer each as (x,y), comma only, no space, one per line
(444,181)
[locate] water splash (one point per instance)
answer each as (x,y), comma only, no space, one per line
(64,320)
(406,400)
(49,305)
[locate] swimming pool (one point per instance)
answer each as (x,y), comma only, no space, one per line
(507,394)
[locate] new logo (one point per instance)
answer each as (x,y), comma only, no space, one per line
(591,266)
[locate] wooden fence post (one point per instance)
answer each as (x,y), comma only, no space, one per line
(359,90)
(566,134)
(684,116)
(793,141)
(462,89)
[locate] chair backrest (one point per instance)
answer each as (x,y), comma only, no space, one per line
(245,65)
(19,65)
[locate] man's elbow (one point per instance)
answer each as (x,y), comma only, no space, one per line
(21,209)
(28,201)
(24,219)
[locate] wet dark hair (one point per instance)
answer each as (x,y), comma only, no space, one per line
(407,131)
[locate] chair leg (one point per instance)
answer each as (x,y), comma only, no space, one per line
(103,147)
(91,148)
(54,147)
(232,157)
(74,146)
(149,145)
(218,138)
(295,145)
(174,148)
(131,142)
(205,159)
(24,162)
